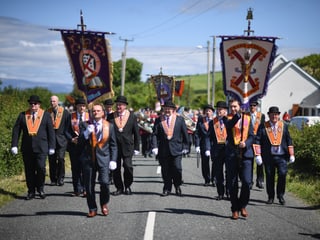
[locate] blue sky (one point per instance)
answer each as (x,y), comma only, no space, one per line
(164,33)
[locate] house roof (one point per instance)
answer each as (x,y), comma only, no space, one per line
(313,100)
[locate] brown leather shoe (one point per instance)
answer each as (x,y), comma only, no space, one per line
(235,215)
(92,214)
(244,212)
(104,210)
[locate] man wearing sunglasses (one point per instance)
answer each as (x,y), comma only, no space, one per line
(38,140)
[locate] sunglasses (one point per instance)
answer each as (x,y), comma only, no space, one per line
(253,105)
(33,103)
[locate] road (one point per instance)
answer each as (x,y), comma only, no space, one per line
(146,215)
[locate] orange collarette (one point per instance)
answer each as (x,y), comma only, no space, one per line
(33,127)
(221,132)
(56,121)
(274,140)
(121,123)
(168,130)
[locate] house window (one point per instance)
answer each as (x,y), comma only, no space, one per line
(305,112)
(313,112)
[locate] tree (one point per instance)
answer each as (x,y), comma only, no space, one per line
(310,64)
(133,71)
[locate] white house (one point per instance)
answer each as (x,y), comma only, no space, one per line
(291,89)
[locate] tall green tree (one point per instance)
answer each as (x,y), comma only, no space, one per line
(310,64)
(132,74)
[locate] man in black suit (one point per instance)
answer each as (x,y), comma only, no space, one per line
(170,141)
(100,155)
(38,140)
(77,125)
(201,141)
(274,149)
(60,117)
(217,145)
(128,140)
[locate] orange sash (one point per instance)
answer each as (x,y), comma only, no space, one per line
(56,121)
(168,130)
(275,139)
(121,123)
(33,127)
(240,128)
(257,122)
(75,122)
(104,139)
(221,132)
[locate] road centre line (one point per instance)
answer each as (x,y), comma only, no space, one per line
(148,234)
(158,169)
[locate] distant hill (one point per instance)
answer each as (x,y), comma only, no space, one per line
(23,84)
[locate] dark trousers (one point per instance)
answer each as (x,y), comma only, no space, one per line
(35,170)
(146,144)
(236,168)
(208,176)
(171,170)
(278,163)
(76,169)
(57,165)
(219,162)
(259,172)
(127,173)
(90,175)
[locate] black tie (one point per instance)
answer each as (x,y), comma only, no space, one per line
(80,118)
(33,117)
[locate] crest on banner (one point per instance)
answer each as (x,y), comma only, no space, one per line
(246,65)
(164,86)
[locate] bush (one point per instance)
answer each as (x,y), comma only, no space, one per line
(307,148)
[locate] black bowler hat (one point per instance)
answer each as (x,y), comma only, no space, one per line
(274,110)
(254,103)
(221,104)
(34,99)
(81,101)
(208,106)
(121,99)
(169,104)
(108,102)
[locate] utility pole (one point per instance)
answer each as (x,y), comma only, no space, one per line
(123,69)
(213,69)
(208,71)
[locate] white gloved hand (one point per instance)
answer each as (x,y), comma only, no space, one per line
(136,152)
(292,159)
(207,153)
(112,165)
(14,150)
(155,151)
(88,131)
(258,160)
(185,151)
(51,151)
(197,149)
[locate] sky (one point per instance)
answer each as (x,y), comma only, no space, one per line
(162,35)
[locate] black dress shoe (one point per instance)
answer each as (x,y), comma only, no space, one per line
(42,195)
(220,197)
(178,191)
(128,191)
(282,201)
(53,183)
(270,201)
(118,192)
(165,193)
(61,183)
(30,196)
(259,185)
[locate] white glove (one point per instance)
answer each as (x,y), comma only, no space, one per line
(88,131)
(112,165)
(258,160)
(292,159)
(136,152)
(51,151)
(197,149)
(14,150)
(207,153)
(185,151)
(155,151)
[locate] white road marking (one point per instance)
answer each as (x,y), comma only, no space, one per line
(148,234)
(159,170)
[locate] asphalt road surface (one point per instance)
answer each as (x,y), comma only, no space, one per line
(146,215)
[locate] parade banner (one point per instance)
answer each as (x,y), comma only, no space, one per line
(179,87)
(90,61)
(164,86)
(246,65)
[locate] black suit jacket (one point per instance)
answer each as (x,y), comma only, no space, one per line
(61,140)
(40,143)
(176,144)
(201,136)
(129,139)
